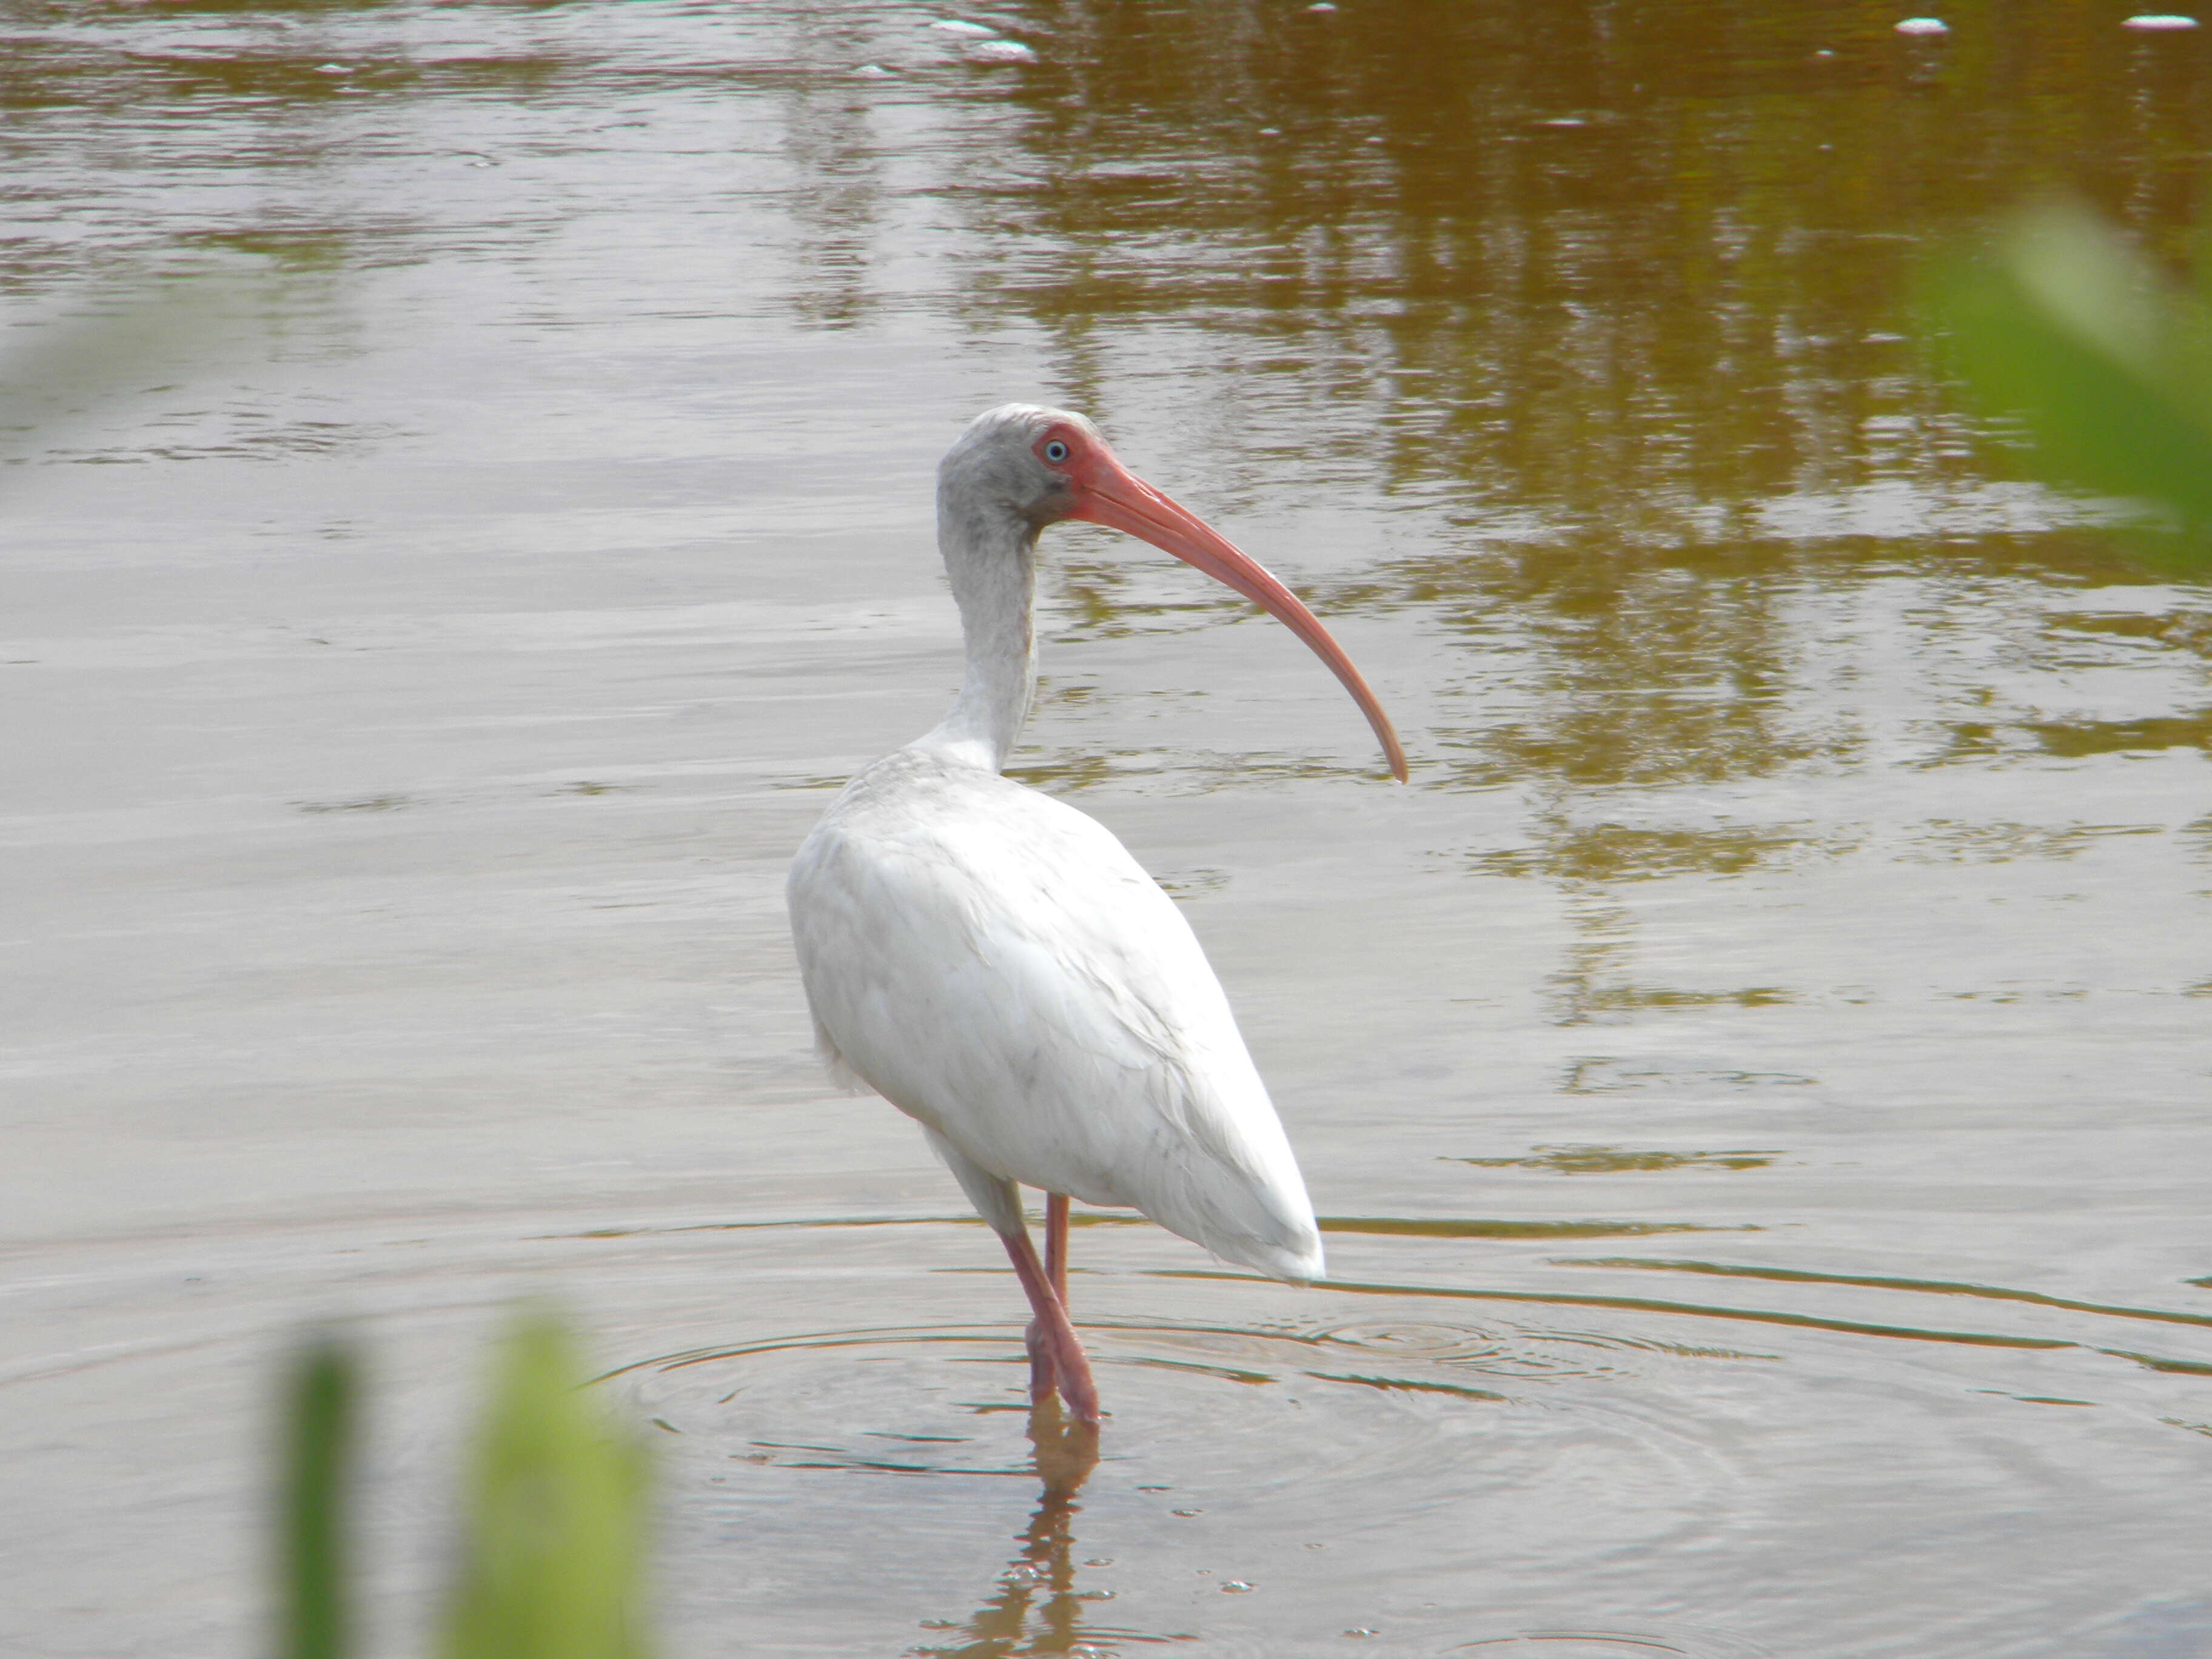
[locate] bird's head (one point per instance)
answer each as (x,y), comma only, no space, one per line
(1042,466)
(1025,460)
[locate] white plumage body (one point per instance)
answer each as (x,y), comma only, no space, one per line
(994,963)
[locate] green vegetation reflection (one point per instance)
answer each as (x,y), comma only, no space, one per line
(1615,303)
(1439,1227)
(1613,1160)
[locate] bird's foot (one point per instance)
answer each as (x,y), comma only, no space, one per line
(1057,1361)
(1071,1374)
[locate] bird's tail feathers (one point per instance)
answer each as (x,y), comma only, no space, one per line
(1233,1185)
(1240,1216)
(1300,1264)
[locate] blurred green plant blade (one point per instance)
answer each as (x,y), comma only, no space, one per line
(552,1550)
(2066,327)
(314,1551)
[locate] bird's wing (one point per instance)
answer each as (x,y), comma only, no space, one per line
(995,963)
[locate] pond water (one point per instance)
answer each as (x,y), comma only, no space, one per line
(467,474)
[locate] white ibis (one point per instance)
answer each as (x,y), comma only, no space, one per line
(997,966)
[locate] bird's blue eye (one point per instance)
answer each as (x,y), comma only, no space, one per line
(1055,452)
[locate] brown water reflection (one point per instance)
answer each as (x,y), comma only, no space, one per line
(429,634)
(1618,291)
(1608,1160)
(1038,1609)
(1634,263)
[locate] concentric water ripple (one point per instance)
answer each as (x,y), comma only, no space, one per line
(1538,1471)
(1552,1468)
(1285,1460)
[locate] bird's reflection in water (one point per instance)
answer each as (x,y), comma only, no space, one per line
(1036,1609)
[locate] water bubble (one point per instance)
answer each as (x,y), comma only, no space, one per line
(1187,1512)
(2159,19)
(1923,26)
(1359,1630)
(1235,1587)
(1099,1561)
(1000,51)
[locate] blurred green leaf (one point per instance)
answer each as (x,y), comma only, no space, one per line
(553,1541)
(2063,325)
(312,1552)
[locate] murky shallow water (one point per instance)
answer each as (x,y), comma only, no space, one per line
(1756,1074)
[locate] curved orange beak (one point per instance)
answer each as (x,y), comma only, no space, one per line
(1108,493)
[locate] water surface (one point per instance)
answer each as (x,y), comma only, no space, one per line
(1754,1076)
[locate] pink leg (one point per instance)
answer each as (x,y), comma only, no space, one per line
(1057,1359)
(1043,1381)
(1056,1244)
